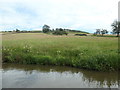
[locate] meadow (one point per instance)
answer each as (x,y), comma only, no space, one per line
(85,52)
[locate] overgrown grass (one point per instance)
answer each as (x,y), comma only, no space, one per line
(96,53)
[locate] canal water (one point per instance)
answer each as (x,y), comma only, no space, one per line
(37,76)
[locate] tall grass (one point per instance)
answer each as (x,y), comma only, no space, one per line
(96,53)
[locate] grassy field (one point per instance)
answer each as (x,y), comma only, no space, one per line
(87,52)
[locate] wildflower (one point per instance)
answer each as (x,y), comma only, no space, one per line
(58,51)
(81,53)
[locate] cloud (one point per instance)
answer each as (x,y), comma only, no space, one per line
(84,15)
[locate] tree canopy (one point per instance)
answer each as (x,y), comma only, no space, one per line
(116,27)
(104,31)
(59,31)
(46,28)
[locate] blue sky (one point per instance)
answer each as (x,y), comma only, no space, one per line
(86,15)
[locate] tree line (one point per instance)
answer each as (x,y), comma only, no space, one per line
(115,29)
(60,31)
(57,31)
(101,31)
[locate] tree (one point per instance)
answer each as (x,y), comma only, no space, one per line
(104,31)
(94,33)
(46,28)
(17,30)
(59,31)
(116,27)
(98,31)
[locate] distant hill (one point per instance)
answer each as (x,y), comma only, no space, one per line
(40,31)
(78,31)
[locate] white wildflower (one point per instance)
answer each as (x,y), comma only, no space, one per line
(81,53)
(58,51)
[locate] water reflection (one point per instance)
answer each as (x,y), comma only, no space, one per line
(38,76)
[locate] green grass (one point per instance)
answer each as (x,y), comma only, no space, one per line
(106,35)
(87,52)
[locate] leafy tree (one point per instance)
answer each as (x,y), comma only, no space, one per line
(17,30)
(59,31)
(94,33)
(97,31)
(46,28)
(116,27)
(104,31)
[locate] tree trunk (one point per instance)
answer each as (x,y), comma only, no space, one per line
(117,34)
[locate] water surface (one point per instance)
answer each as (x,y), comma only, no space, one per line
(37,76)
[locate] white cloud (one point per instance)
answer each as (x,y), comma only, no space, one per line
(73,14)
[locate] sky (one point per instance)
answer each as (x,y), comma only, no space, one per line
(84,15)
